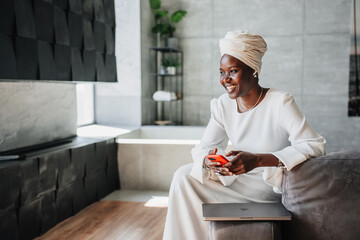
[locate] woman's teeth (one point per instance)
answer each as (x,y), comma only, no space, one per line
(230,88)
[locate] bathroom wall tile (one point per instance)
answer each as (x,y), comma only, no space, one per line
(263,17)
(282,64)
(324,16)
(130,160)
(197,66)
(326,65)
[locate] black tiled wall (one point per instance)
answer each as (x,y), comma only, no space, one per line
(68,40)
(50,186)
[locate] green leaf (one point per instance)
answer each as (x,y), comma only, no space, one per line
(155,4)
(159,14)
(178,15)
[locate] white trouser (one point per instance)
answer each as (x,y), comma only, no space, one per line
(184,220)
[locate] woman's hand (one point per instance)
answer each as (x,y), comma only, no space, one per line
(243,162)
(216,166)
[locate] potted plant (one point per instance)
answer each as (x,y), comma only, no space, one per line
(169,64)
(165,24)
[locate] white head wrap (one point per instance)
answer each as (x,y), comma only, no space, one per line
(248,48)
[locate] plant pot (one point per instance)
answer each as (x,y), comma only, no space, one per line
(173,42)
(171,70)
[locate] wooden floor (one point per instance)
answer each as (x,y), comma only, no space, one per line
(112,220)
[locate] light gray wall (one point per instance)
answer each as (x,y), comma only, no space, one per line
(119,104)
(36,112)
(308,55)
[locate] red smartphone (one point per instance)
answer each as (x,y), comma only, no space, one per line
(217,158)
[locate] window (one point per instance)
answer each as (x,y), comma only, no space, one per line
(85,103)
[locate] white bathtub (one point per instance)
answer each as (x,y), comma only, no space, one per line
(148,157)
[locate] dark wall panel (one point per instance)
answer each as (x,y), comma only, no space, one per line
(48,211)
(7,58)
(27,58)
(44,21)
(100,67)
(99,32)
(110,62)
(10,176)
(32,31)
(89,40)
(99,10)
(89,65)
(75,6)
(46,61)
(88,9)
(25,22)
(76,30)
(8,225)
(61,27)
(7,17)
(110,40)
(62,62)
(29,220)
(30,181)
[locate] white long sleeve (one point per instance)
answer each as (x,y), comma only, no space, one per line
(275,126)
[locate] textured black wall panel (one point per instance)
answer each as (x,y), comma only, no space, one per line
(64,202)
(48,211)
(91,161)
(109,9)
(7,58)
(44,21)
(76,30)
(89,40)
(88,9)
(90,189)
(99,33)
(30,180)
(62,62)
(78,159)
(46,61)
(61,27)
(89,65)
(25,22)
(10,175)
(7,17)
(66,171)
(48,169)
(100,67)
(103,188)
(61,4)
(29,220)
(26,58)
(99,10)
(79,198)
(8,225)
(77,68)
(110,40)
(101,150)
(110,62)
(112,175)
(75,6)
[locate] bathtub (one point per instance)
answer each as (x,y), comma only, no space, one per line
(149,156)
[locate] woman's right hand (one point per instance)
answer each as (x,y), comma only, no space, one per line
(216,166)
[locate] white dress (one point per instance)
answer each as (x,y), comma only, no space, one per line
(274,126)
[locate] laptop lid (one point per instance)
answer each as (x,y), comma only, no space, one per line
(245,212)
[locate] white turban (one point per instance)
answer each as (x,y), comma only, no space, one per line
(248,48)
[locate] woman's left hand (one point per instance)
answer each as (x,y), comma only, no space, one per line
(243,162)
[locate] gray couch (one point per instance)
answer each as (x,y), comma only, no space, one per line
(323,196)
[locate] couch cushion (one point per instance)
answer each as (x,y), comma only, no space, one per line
(323,195)
(251,230)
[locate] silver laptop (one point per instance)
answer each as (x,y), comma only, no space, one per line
(245,212)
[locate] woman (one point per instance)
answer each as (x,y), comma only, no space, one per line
(268,132)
